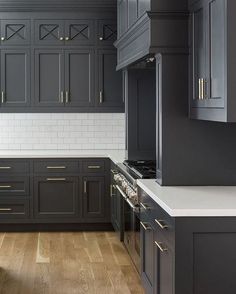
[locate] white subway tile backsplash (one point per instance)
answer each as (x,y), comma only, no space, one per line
(57,131)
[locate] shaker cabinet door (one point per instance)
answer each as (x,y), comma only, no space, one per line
(55,196)
(15,32)
(49,32)
(49,78)
(110,81)
(15,78)
(93,197)
(79,78)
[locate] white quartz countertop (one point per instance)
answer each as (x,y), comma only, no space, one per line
(116,156)
(192,201)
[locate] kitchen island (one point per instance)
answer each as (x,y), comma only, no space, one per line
(188,239)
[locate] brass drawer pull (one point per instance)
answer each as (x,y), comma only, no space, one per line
(56,179)
(3,97)
(94,166)
(85,187)
(61,98)
(101,97)
(5,209)
(160,246)
(161,224)
(5,167)
(5,187)
(56,167)
(67,97)
(144,206)
(145,226)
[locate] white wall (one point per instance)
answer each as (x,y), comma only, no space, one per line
(62,131)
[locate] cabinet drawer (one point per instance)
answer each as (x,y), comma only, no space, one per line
(163,222)
(12,186)
(11,167)
(57,166)
(93,166)
(14,209)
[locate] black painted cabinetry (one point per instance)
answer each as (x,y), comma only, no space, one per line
(186,255)
(60,62)
(55,191)
(212,93)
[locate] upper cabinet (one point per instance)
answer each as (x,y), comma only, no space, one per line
(212,90)
(63,61)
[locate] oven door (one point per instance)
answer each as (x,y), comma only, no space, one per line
(131,225)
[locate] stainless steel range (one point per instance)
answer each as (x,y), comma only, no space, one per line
(125,179)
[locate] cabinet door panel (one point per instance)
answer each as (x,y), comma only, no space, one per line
(15,78)
(122,7)
(79,32)
(147,254)
(49,77)
(94,197)
(15,32)
(79,79)
(110,81)
(107,34)
(216,53)
(49,32)
(55,196)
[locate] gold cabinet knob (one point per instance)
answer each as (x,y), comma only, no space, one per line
(67,38)
(101,38)
(3,39)
(61,39)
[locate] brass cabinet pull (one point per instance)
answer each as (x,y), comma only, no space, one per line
(67,38)
(144,206)
(61,39)
(5,209)
(161,224)
(5,167)
(199,89)
(56,167)
(145,226)
(56,179)
(161,247)
(5,187)
(202,89)
(101,97)
(85,187)
(94,166)
(101,38)
(62,97)
(2,38)
(3,97)
(67,97)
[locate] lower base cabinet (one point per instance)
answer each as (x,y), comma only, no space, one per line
(186,255)
(55,196)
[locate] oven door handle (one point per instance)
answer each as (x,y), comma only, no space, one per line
(121,192)
(135,208)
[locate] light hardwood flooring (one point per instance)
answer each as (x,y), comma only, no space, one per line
(65,263)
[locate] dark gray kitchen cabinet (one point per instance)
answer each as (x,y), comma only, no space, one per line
(15,78)
(49,91)
(147,253)
(94,195)
(79,32)
(110,81)
(122,15)
(55,196)
(79,77)
(211,91)
(107,32)
(15,32)
(49,32)
(14,209)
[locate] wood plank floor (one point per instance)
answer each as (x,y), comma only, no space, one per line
(65,263)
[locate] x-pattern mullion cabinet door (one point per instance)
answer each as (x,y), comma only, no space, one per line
(15,32)
(79,78)
(79,32)
(107,32)
(49,32)
(15,78)
(49,78)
